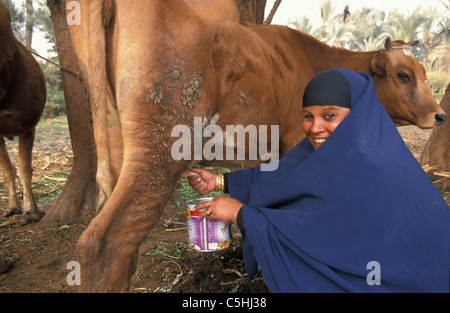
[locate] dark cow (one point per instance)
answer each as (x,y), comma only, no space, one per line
(22,99)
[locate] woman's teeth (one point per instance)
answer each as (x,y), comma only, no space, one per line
(320,141)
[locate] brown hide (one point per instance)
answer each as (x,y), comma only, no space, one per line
(22,100)
(151,65)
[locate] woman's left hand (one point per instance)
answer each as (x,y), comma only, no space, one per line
(220,208)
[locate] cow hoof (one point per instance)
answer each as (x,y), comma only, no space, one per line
(5,266)
(12,211)
(33,217)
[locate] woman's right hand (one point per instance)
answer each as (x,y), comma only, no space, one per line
(204,182)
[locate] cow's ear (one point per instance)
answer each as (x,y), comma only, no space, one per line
(379,63)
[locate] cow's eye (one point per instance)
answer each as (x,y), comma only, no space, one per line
(404,78)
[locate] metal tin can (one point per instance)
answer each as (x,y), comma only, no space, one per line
(206,235)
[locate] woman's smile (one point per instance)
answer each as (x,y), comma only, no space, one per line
(319,140)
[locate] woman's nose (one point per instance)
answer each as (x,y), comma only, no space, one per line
(317,126)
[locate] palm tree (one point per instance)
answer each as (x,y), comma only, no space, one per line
(405,27)
(371,43)
(368,33)
(339,33)
(429,39)
(304,24)
(327,10)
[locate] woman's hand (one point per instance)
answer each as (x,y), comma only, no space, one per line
(220,208)
(204,182)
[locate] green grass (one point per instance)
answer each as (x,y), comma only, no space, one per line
(51,189)
(57,124)
(171,252)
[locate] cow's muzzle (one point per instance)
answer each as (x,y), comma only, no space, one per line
(440,119)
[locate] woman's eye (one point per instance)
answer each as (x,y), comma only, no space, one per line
(330,116)
(308,117)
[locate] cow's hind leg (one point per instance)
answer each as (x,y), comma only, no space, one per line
(9,174)
(108,249)
(30,210)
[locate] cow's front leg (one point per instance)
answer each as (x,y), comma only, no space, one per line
(30,210)
(9,174)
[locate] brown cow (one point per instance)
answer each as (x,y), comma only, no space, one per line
(151,65)
(22,99)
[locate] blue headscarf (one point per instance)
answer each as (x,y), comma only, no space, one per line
(358,210)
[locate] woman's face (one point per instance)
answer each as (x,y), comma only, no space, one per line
(319,122)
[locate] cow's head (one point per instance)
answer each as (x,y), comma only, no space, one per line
(400,83)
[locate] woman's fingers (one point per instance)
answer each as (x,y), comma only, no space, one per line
(198,184)
(197,170)
(189,174)
(203,206)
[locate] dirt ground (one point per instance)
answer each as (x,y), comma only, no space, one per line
(40,255)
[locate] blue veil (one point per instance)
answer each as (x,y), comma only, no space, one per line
(357,215)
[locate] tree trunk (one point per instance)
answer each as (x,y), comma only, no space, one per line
(437,149)
(78,198)
(272,12)
(29,24)
(251,11)
(447,61)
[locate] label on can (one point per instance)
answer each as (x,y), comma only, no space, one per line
(206,235)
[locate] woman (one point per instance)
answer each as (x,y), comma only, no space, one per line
(348,209)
